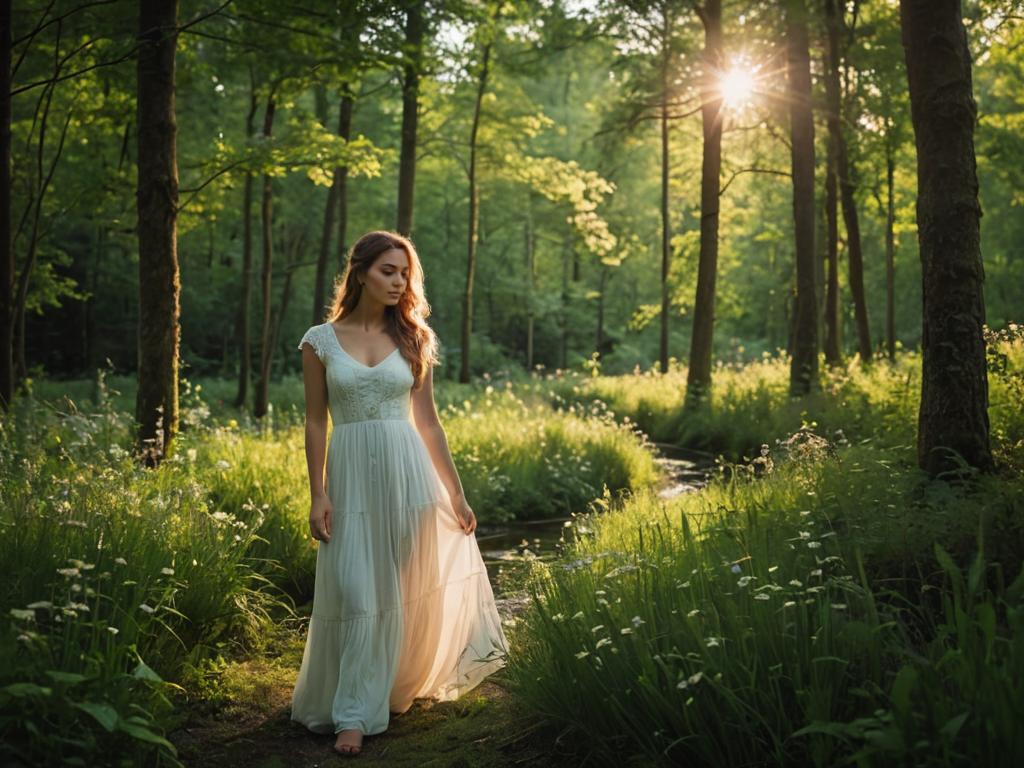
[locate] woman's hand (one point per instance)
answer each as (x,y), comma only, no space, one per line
(465,515)
(320,510)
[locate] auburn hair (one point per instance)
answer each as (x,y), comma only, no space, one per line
(406,320)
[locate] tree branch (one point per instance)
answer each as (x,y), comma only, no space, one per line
(770,171)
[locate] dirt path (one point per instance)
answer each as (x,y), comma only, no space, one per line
(242,719)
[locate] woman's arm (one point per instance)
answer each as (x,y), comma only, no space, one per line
(315,383)
(424,412)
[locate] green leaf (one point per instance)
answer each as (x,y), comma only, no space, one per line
(953,726)
(65,677)
(143,671)
(105,714)
(19,690)
(902,687)
(142,733)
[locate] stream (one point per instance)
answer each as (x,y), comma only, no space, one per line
(507,548)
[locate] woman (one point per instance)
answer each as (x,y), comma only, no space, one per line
(402,605)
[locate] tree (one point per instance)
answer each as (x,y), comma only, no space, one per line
(844,173)
(486,33)
(953,415)
(415,32)
(804,366)
(698,377)
(6,250)
(156,408)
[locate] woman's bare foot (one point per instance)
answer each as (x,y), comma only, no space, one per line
(349,742)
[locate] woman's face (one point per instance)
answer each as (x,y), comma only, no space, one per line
(388,277)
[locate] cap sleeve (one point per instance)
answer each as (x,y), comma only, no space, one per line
(315,337)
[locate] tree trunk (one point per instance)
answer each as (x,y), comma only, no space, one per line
(6,247)
(467,296)
(260,400)
(530,284)
(698,378)
(666,235)
(341,174)
(833,351)
(243,331)
(156,405)
(804,366)
(954,386)
(890,249)
(414,32)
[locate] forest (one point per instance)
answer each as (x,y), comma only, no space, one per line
(729,301)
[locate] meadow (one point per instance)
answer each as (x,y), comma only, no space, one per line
(820,602)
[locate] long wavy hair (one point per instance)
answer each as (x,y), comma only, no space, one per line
(406,320)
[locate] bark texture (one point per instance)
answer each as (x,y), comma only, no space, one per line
(804,366)
(156,405)
(954,385)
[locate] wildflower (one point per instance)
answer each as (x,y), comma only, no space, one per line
(744,580)
(40,604)
(113,630)
(598,627)
(578,615)
(223,465)
(762,596)
(736,569)
(120,561)
(789,604)
(695,678)
(582,654)
(603,642)
(69,572)
(813,544)
(839,606)
(711,642)
(804,535)
(637,621)
(75,523)
(23,614)
(626,631)
(694,612)
(816,572)
(147,608)
(795,583)
(773,569)
(167,571)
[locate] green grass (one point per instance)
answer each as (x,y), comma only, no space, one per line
(118,578)
(822,604)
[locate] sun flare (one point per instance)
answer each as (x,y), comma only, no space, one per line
(737,87)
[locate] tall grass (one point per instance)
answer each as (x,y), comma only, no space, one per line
(823,604)
(118,579)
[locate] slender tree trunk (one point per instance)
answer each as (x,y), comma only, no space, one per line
(6,247)
(266,228)
(890,249)
(414,32)
(666,235)
(243,332)
(833,351)
(954,383)
(341,174)
(855,256)
(698,378)
(530,283)
(156,405)
(602,286)
(804,366)
(467,296)
(320,281)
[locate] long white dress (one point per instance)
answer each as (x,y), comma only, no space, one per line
(402,604)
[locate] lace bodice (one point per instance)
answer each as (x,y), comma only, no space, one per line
(358,392)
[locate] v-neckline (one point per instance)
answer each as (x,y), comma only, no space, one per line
(334,333)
